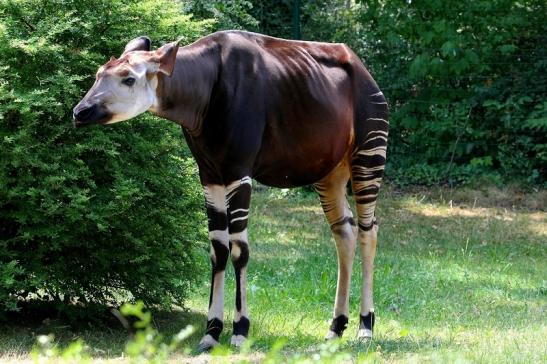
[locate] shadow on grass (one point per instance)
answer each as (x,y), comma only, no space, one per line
(103,334)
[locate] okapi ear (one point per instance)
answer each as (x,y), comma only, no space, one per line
(138,44)
(166,56)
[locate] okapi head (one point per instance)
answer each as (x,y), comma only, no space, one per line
(126,87)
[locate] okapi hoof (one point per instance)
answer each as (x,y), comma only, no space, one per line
(206,344)
(366,325)
(331,335)
(337,327)
(238,340)
(241,330)
(364,335)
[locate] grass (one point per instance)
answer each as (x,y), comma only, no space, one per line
(453,283)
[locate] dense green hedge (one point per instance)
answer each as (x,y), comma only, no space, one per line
(99,214)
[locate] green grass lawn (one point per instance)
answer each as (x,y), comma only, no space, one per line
(453,283)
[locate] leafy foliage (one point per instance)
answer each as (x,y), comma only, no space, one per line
(101,214)
(466,86)
(228,14)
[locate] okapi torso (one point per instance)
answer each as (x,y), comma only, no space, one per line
(286,113)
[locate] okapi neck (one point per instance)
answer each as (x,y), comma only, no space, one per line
(184,96)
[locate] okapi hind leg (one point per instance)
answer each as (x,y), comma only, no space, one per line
(239,199)
(332,193)
(367,243)
(367,169)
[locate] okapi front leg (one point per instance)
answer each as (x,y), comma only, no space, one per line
(239,198)
(215,197)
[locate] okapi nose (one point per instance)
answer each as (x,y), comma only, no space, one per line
(84,113)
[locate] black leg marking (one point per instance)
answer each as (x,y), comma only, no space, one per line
(339,324)
(239,198)
(218,263)
(214,328)
(238,201)
(212,284)
(367,321)
(217,220)
(345,220)
(221,255)
(364,227)
(367,228)
(239,263)
(338,227)
(242,327)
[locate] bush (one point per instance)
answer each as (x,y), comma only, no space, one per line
(95,215)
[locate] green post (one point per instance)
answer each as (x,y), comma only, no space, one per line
(296,19)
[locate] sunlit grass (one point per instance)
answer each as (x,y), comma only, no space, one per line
(452,283)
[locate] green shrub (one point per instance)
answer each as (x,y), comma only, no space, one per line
(95,215)
(228,14)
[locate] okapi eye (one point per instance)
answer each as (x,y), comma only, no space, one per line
(129,81)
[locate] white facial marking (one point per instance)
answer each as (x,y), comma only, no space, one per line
(124,101)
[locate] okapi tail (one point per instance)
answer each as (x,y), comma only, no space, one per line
(368,157)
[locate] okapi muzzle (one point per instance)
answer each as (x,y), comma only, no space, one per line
(90,113)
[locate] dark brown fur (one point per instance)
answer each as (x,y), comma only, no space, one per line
(251,105)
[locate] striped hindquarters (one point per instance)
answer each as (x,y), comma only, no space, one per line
(369,157)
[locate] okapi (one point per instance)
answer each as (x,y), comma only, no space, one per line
(285,113)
